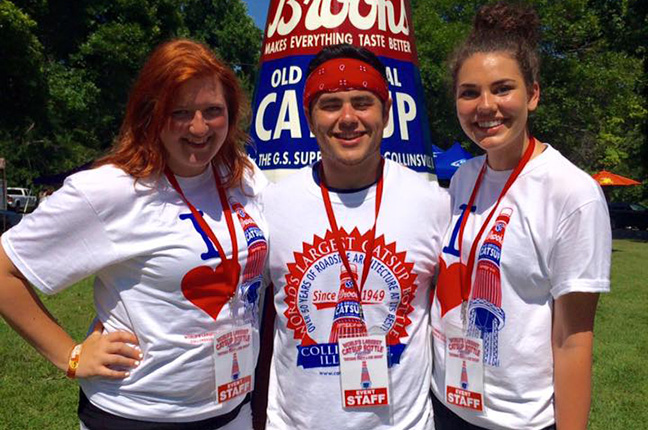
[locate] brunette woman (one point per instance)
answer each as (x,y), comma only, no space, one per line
(527,254)
(169,225)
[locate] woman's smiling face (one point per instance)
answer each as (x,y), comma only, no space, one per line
(493,105)
(197,126)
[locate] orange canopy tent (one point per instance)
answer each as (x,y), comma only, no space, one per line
(606,178)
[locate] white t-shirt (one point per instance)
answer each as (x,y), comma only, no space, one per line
(305,268)
(140,240)
(556,241)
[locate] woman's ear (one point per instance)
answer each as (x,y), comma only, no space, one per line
(534,97)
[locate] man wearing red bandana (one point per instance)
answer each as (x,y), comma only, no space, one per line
(353,252)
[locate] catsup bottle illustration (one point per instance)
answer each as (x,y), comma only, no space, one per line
(348,320)
(256,243)
(485,315)
(365,379)
(257,249)
(235,367)
(464,375)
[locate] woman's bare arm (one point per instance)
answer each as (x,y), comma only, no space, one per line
(573,333)
(26,314)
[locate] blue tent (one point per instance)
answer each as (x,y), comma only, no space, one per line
(447,163)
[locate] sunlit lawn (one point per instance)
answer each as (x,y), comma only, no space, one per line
(620,388)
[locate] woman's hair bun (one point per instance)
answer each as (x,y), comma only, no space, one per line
(499,27)
(508,19)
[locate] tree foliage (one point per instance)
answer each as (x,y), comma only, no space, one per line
(21,68)
(238,41)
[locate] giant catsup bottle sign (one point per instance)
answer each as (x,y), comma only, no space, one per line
(295,32)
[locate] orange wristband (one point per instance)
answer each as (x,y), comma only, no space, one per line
(74,361)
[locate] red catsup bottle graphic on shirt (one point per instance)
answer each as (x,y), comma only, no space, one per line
(256,243)
(485,315)
(257,249)
(348,320)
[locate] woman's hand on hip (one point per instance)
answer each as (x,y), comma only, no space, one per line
(108,355)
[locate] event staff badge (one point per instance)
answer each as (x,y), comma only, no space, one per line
(233,363)
(363,371)
(464,375)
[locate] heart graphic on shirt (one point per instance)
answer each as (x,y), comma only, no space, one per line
(209,289)
(448,288)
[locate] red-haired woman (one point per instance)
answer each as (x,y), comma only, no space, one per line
(169,224)
(527,256)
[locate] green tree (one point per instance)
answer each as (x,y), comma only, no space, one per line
(226,26)
(23,81)
(23,89)
(120,34)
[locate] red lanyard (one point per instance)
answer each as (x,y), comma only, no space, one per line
(336,230)
(466,277)
(201,221)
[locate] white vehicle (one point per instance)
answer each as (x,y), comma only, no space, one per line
(19,199)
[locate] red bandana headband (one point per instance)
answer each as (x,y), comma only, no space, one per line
(344,74)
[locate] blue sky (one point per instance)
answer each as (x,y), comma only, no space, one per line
(258,10)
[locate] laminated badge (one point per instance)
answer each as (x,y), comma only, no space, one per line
(363,368)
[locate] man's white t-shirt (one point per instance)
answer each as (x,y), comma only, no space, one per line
(556,241)
(141,241)
(305,269)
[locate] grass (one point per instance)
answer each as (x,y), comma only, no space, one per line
(620,377)
(35,395)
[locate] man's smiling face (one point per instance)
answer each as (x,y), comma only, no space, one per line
(348,126)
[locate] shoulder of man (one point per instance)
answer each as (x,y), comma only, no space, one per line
(421,194)
(418,186)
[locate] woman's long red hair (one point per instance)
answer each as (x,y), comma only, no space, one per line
(138,150)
